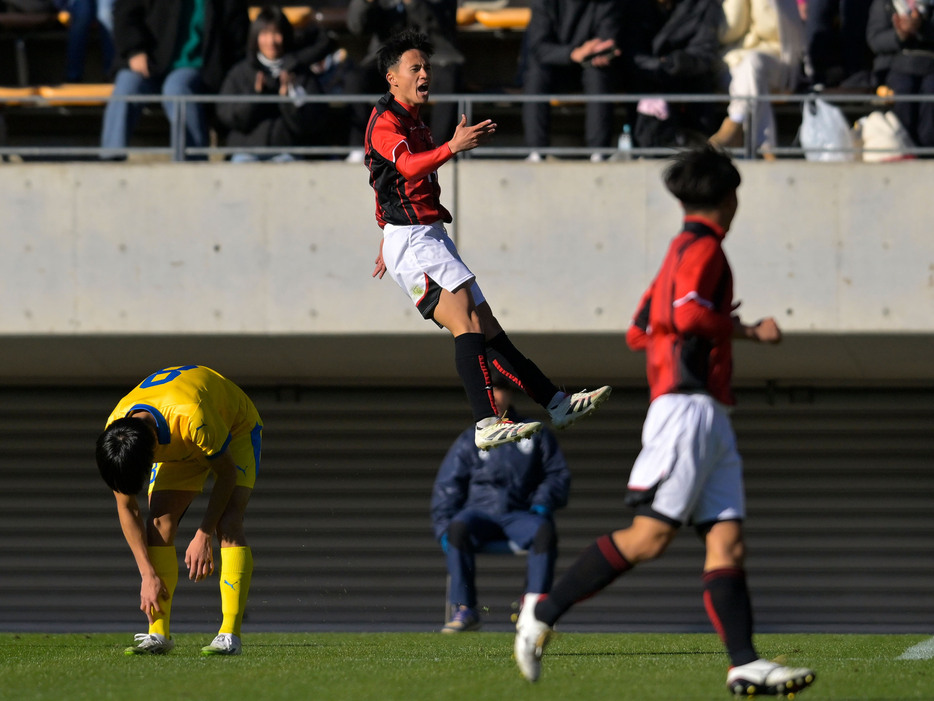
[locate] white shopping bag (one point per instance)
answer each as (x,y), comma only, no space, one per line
(825,134)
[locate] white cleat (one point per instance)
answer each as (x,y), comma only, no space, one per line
(150,644)
(577,406)
(504,431)
(223,644)
(531,638)
(764,678)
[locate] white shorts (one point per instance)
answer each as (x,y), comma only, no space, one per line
(423,260)
(689,470)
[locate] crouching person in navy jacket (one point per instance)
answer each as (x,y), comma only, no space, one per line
(508,494)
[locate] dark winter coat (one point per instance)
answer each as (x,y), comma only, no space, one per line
(152,27)
(380,19)
(512,477)
(255,124)
(914,56)
(679,49)
(559,26)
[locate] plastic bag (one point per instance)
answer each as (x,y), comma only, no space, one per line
(825,134)
(882,137)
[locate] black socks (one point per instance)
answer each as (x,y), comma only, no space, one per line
(519,370)
(726,599)
(470,360)
(596,567)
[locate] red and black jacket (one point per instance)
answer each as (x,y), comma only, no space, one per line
(403,163)
(684,320)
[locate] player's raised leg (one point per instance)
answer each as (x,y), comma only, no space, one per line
(456,312)
(563,408)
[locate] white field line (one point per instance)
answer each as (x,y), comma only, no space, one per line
(922,651)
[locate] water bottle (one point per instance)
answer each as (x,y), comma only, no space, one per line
(624,145)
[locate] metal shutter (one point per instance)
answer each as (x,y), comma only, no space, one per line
(840,487)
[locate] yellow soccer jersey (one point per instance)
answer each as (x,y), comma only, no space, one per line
(197,412)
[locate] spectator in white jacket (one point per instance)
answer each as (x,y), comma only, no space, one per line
(763,48)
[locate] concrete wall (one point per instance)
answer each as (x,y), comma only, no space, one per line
(95,252)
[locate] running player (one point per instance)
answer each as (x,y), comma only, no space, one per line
(418,254)
(689,471)
(190,421)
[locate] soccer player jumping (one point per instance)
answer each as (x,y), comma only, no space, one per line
(418,254)
(689,470)
(190,421)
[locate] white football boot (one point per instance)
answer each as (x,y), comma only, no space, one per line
(577,406)
(223,644)
(150,644)
(502,431)
(764,678)
(531,638)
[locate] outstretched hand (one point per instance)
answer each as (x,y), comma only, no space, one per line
(469,137)
(767,331)
(764,331)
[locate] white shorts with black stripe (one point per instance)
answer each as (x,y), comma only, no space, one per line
(423,260)
(689,470)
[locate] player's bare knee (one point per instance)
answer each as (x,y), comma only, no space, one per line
(161,530)
(725,545)
(642,545)
(230,531)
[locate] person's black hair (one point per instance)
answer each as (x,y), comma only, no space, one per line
(701,178)
(125,454)
(270,16)
(392,49)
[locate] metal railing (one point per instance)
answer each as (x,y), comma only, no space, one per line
(470,104)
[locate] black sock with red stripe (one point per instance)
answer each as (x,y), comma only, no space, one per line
(519,370)
(596,567)
(726,598)
(470,360)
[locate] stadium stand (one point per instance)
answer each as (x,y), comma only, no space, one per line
(32,58)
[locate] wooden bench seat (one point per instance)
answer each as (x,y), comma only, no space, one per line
(75,94)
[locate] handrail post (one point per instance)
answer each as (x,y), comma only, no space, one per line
(178,128)
(749,135)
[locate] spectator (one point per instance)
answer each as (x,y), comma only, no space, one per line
(673,48)
(902,36)
(271,67)
(82,14)
(835,43)
(510,493)
(763,47)
(379,20)
(172,47)
(571,44)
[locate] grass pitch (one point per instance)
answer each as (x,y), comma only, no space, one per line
(430,666)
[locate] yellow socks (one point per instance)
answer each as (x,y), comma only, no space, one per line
(236,572)
(165,562)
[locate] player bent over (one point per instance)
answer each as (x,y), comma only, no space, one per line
(418,254)
(689,470)
(189,421)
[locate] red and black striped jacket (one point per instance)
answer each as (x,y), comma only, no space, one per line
(403,162)
(684,320)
